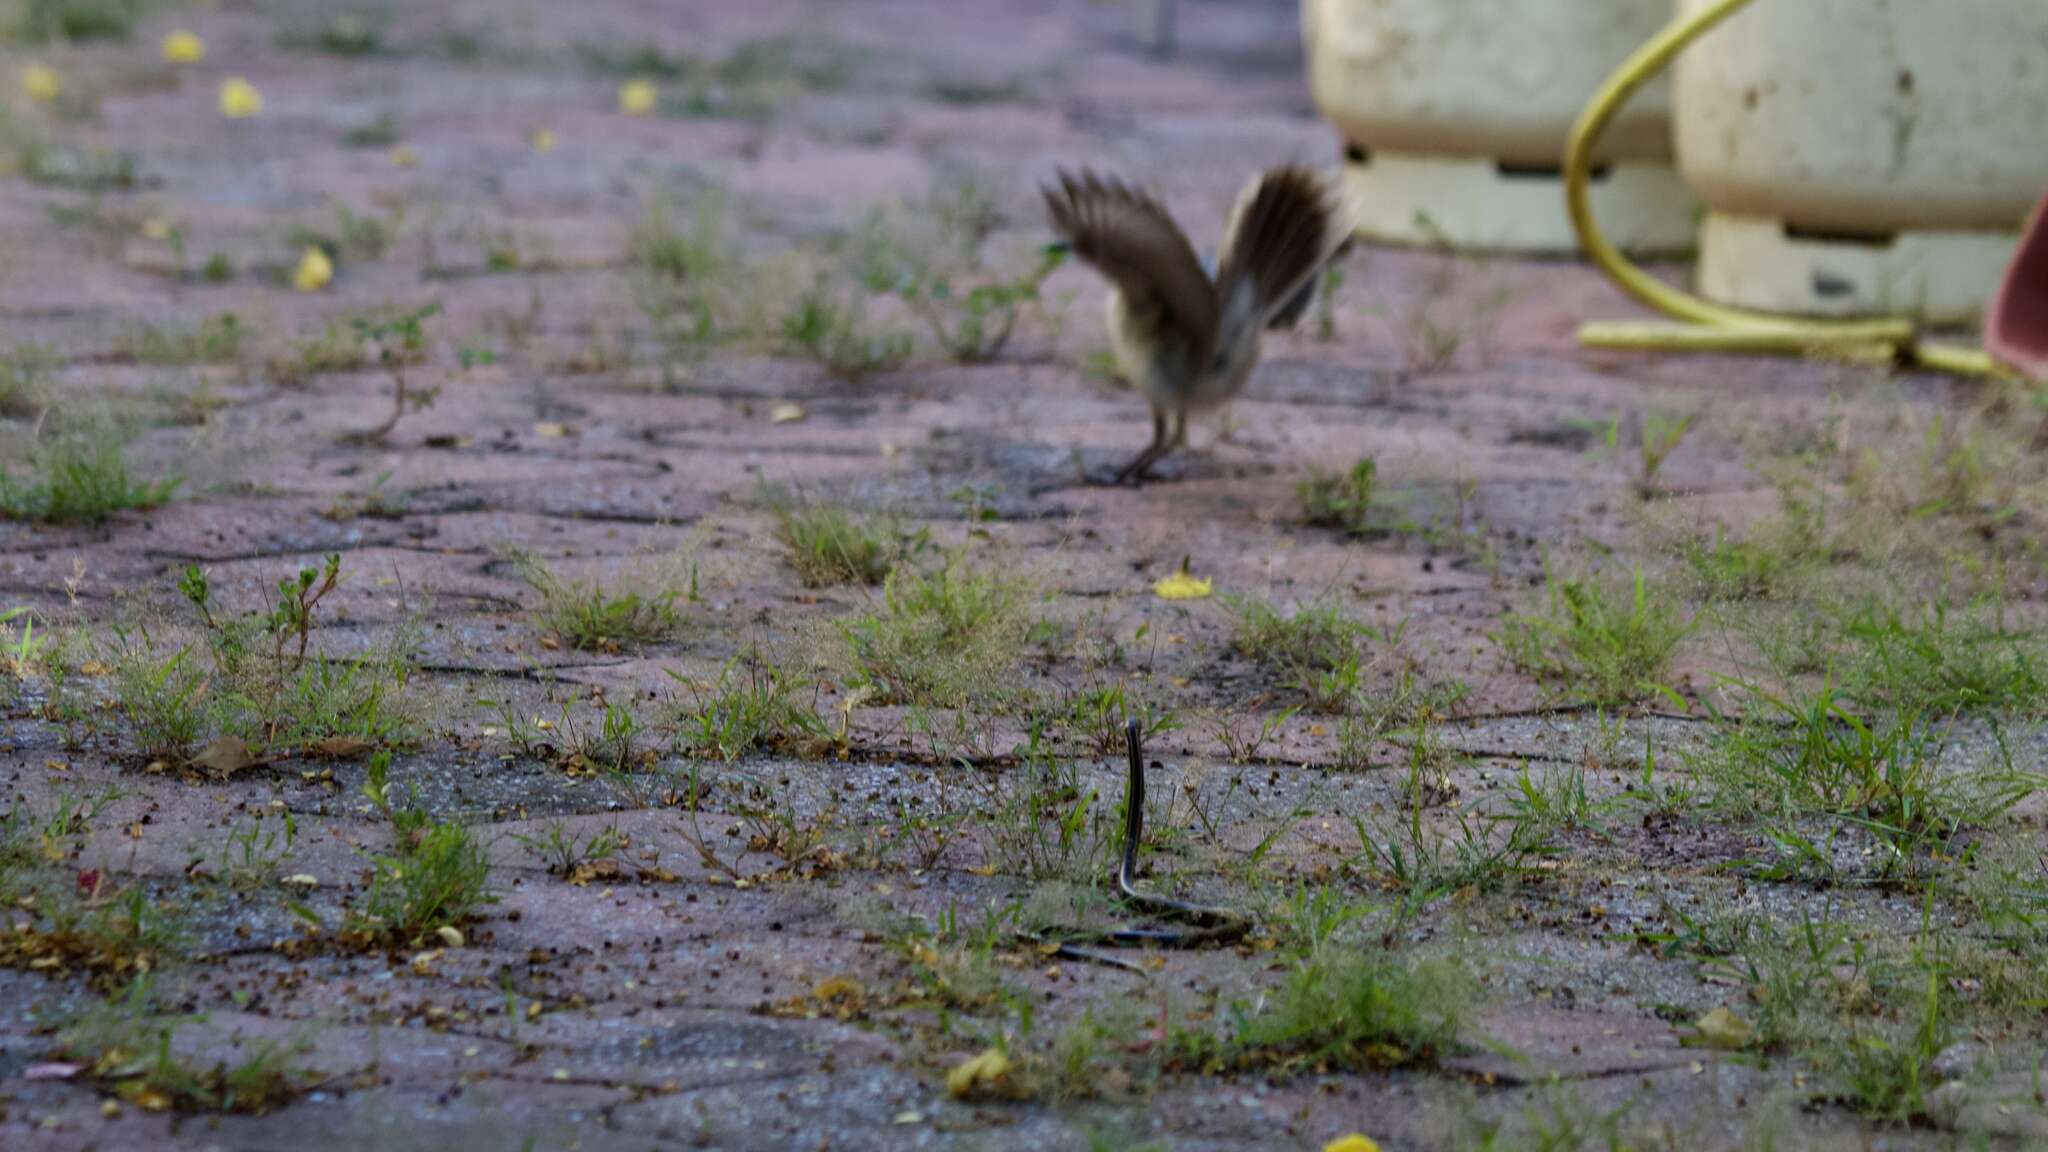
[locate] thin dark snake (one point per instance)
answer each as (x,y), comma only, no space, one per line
(1204,924)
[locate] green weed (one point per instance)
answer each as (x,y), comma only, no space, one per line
(1610,643)
(939,638)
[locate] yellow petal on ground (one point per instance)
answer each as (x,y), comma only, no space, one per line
(542,140)
(1352,1143)
(239,99)
(156,228)
(184,47)
(450,935)
(638,97)
(39,82)
(786,414)
(403,156)
(979,1075)
(1183,586)
(314,271)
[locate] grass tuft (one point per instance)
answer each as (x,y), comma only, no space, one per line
(1609,642)
(939,638)
(79,477)
(590,617)
(830,546)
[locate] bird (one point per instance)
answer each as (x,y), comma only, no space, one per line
(1188,339)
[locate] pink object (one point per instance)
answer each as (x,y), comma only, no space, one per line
(2016,332)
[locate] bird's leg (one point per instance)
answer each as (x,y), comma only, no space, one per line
(1136,469)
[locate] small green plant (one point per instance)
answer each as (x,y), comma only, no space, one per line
(1555,801)
(354,31)
(356,236)
(25,382)
(587,616)
(162,699)
(1755,568)
(260,681)
(379,132)
(974,325)
(749,82)
(1424,864)
(753,706)
(1314,649)
(939,638)
(86,923)
(253,850)
(1341,502)
(1887,1075)
(401,340)
(1611,643)
(437,874)
(830,327)
(79,477)
(1048,822)
(215,340)
(1939,660)
(21,650)
(1326,301)
(338,348)
(830,546)
(1659,434)
(684,279)
(1809,755)
(567,854)
(80,19)
(1340,1009)
(1315,635)
(375,502)
(128,1046)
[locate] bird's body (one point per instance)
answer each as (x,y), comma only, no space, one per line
(1186,339)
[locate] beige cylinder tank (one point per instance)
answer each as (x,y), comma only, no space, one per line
(1457,112)
(1862,156)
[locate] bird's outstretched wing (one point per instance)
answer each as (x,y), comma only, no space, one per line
(1129,238)
(1285,227)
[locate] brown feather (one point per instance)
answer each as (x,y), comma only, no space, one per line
(1128,237)
(1282,234)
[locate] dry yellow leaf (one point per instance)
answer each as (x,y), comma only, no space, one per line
(638,97)
(1351,1143)
(542,140)
(786,413)
(314,272)
(239,99)
(184,47)
(1724,1030)
(984,1075)
(1183,585)
(39,83)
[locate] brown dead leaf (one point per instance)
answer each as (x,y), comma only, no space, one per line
(224,757)
(605,869)
(339,748)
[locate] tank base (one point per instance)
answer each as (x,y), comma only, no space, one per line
(1477,203)
(1945,277)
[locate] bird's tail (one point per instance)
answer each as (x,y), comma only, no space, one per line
(1285,227)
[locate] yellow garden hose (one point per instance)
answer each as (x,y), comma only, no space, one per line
(1704,325)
